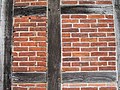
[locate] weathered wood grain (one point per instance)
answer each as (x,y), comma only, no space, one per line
(54,45)
(89,77)
(117,29)
(26,11)
(8,44)
(78,9)
(29,77)
(87,9)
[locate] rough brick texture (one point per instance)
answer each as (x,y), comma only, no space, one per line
(29,44)
(87,43)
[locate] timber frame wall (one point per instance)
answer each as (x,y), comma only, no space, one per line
(22,78)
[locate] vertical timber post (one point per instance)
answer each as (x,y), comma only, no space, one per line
(54,45)
(8,44)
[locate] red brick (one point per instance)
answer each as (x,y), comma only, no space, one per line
(79,35)
(70,49)
(70,59)
(89,68)
(19,88)
(96,16)
(105,21)
(87,21)
(81,54)
(97,34)
(81,44)
(69,21)
(37,88)
(107,58)
(38,69)
(89,88)
(19,69)
(107,49)
(99,54)
(27,63)
(86,2)
(89,49)
(103,2)
(27,54)
(108,88)
(98,63)
(107,68)
(79,16)
(70,89)
(70,69)
(88,39)
(69,2)
(81,25)
(88,30)
(20,48)
(99,44)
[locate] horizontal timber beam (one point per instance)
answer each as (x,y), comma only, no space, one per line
(89,77)
(74,77)
(29,77)
(78,9)
(87,9)
(26,11)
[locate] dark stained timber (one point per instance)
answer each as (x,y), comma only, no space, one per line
(26,11)
(80,9)
(8,44)
(87,9)
(29,77)
(89,77)
(54,45)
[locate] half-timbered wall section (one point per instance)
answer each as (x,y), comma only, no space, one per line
(64,45)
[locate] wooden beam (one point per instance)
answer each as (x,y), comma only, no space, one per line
(89,77)
(74,77)
(29,77)
(2,30)
(32,10)
(78,9)
(8,44)
(54,45)
(87,9)
(117,29)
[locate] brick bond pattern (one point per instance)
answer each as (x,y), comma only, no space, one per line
(88,44)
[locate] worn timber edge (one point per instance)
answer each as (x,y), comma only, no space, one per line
(78,9)
(26,11)
(29,77)
(88,77)
(117,29)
